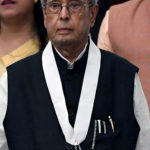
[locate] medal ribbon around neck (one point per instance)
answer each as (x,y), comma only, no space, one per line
(76,135)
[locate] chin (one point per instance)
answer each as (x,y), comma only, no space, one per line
(8,15)
(63,41)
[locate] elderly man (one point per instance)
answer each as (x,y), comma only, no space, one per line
(72,95)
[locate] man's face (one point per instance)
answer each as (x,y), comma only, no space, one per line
(67,28)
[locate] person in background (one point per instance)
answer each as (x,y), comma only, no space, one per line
(103,7)
(73,96)
(22,31)
(125,31)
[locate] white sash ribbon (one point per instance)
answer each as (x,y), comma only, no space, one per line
(76,135)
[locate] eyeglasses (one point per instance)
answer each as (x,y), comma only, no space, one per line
(74,7)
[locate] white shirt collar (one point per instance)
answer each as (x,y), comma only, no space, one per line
(70,64)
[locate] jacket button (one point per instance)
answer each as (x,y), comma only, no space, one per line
(69,146)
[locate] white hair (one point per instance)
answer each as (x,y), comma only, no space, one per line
(43,2)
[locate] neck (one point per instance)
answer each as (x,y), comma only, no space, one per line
(71,52)
(14,33)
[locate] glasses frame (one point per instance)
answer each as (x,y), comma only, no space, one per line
(84,4)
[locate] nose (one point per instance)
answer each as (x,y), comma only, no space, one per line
(64,13)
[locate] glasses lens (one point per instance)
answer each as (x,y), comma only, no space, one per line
(53,7)
(75,7)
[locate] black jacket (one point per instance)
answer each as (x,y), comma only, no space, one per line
(31,122)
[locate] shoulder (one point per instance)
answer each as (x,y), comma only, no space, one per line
(26,61)
(125,5)
(124,10)
(25,65)
(117,62)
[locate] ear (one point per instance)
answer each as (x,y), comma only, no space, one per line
(45,16)
(93,14)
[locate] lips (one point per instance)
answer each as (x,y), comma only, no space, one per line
(64,30)
(8,2)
